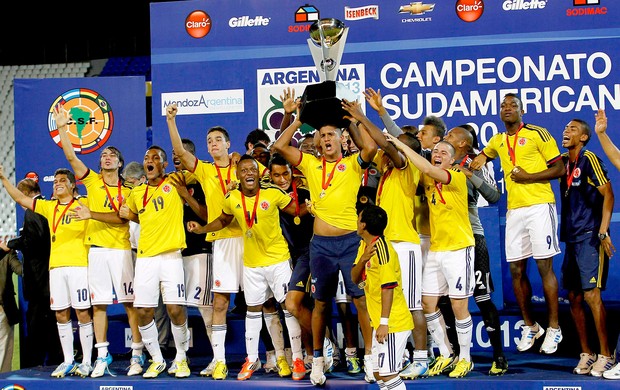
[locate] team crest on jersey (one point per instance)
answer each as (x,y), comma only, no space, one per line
(218,283)
(191,191)
(264,205)
(167,188)
(373,171)
(521,141)
(577,173)
(341,167)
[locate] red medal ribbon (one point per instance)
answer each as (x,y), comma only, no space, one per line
(295,197)
(55,222)
(249,220)
(511,150)
(438,188)
(145,201)
(325,184)
(381,183)
(223,185)
(569,173)
(119,197)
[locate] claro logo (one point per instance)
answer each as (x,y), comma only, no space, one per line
(246,21)
(198,24)
(469,10)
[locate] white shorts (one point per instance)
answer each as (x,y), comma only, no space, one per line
(69,288)
(425,246)
(228,265)
(341,291)
(532,231)
(261,283)
(163,273)
(449,272)
(198,279)
(110,272)
(410,258)
(387,357)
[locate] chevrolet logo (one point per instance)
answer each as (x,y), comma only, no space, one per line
(416,8)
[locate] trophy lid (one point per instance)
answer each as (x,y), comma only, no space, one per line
(332,31)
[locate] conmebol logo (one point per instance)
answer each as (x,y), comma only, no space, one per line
(522,5)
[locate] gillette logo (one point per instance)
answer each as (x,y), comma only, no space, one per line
(246,21)
(523,5)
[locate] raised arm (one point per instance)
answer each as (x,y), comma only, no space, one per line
(283,145)
(611,150)
(17,195)
(62,119)
(374,100)
(187,159)
(290,105)
(367,146)
(439,174)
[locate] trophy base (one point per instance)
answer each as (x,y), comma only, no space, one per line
(321,104)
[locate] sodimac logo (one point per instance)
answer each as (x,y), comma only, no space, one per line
(469,10)
(92,119)
(198,24)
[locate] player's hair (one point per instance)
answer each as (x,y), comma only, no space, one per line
(438,124)
(375,219)
(161,150)
(134,170)
(189,145)
(585,129)
(221,130)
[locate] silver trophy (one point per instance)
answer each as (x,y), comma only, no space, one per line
(321,103)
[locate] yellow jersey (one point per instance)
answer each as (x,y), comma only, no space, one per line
(533,149)
(259,218)
(333,188)
(448,212)
(105,198)
(383,271)
(67,235)
(160,210)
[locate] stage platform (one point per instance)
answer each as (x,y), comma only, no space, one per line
(528,370)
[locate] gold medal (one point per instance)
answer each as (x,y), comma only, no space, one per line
(322,194)
(297,220)
(53,238)
(141,211)
(248,234)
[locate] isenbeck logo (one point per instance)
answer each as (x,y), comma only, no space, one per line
(198,24)
(92,119)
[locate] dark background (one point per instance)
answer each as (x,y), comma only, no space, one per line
(73,31)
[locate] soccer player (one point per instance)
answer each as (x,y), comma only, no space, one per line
(587,206)
(331,180)
(110,265)
(377,268)
(613,154)
(449,268)
(68,267)
(266,259)
(480,183)
(530,158)
(396,194)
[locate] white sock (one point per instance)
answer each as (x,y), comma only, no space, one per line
(395,383)
(137,348)
(218,338)
(437,327)
(180,334)
(464,330)
(65,332)
(150,338)
(102,349)
(87,336)
(253,325)
(294,335)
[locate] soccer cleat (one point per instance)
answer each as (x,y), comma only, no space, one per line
(353,365)
(220,371)
(308,363)
(336,357)
(602,364)
(101,366)
(317,375)
(499,366)
(462,368)
(529,334)
(585,364)
(613,373)
(368,374)
(154,369)
(173,368)
(270,362)
(328,354)
(299,370)
(283,368)
(182,369)
(552,339)
(135,365)
(208,371)
(83,370)
(64,369)
(440,365)
(414,370)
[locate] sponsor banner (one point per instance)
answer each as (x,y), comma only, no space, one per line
(204,102)
(358,13)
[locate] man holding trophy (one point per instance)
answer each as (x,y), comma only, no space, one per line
(333,181)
